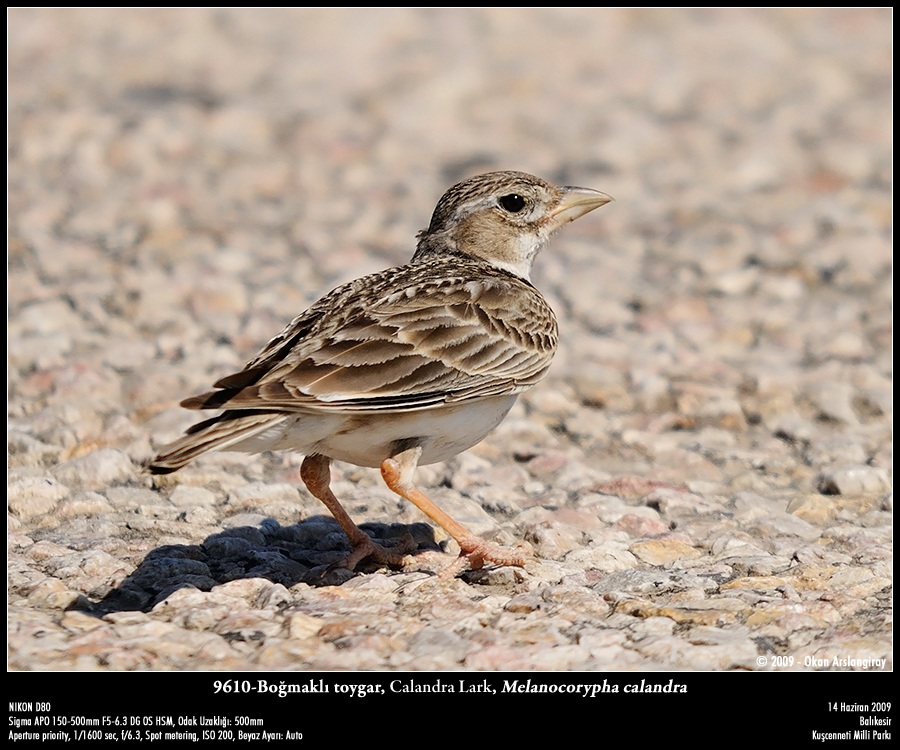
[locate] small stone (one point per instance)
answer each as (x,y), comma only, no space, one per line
(34,496)
(854,480)
(259,494)
(301,625)
(664,551)
(84,504)
(184,495)
(605,557)
(98,469)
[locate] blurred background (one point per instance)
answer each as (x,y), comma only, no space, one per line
(184,182)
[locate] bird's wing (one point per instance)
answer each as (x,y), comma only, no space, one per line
(400,340)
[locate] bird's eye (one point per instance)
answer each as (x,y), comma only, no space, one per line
(512,203)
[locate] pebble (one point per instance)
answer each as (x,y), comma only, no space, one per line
(102,468)
(34,496)
(663,552)
(854,480)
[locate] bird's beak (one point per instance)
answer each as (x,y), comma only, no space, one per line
(575,202)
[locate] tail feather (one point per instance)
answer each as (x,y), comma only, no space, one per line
(219,433)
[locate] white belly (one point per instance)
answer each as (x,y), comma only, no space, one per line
(368,438)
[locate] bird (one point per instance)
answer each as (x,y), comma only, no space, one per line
(407,366)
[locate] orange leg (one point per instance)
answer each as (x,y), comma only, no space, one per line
(316,474)
(397,473)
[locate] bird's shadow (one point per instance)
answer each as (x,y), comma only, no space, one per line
(310,552)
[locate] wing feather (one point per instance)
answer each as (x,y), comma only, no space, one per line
(407,338)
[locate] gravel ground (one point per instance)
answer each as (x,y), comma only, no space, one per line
(705,474)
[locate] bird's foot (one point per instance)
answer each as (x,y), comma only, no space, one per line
(394,556)
(475,552)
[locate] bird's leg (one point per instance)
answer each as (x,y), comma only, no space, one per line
(397,473)
(316,474)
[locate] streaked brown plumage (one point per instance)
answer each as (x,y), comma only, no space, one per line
(410,365)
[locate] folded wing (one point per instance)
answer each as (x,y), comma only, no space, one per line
(397,346)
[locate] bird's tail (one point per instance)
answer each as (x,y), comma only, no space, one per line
(235,429)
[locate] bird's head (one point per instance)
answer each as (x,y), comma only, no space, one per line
(504,218)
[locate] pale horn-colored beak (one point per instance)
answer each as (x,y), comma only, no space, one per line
(575,202)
